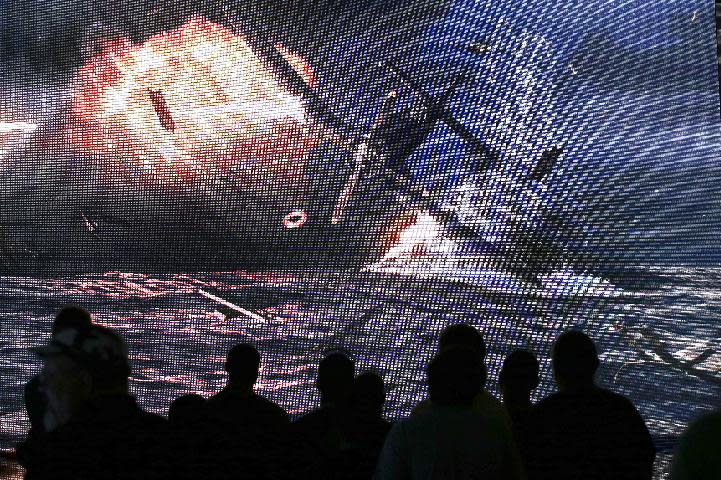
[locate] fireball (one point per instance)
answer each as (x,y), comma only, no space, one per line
(191,106)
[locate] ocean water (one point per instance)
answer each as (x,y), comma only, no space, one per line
(658,341)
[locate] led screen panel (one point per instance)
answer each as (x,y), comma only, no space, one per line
(358,175)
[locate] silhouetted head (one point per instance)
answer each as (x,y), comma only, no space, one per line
(242,365)
(187,410)
(335,378)
(368,394)
(574,359)
(462,335)
(519,375)
(455,376)
(71,316)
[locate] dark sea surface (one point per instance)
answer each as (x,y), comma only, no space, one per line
(658,341)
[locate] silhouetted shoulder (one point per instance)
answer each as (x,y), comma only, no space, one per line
(34,402)
(221,398)
(246,410)
(152,419)
(597,409)
(484,403)
(487,404)
(698,455)
(589,434)
(421,407)
(706,425)
(313,420)
(550,402)
(615,399)
(597,397)
(270,408)
(449,442)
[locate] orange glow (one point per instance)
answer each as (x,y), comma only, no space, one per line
(190,104)
(393,235)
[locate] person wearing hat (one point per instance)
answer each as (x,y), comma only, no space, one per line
(95,429)
(70,316)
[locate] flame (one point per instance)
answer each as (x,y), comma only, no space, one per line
(410,234)
(224,112)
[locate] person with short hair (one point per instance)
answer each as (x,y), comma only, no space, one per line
(467,336)
(583,430)
(95,429)
(321,438)
(368,428)
(187,410)
(335,379)
(462,335)
(250,431)
(189,437)
(368,395)
(518,378)
(451,438)
(71,316)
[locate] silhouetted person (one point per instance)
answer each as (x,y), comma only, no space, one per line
(518,378)
(698,454)
(321,438)
(466,336)
(70,316)
(95,429)
(187,410)
(189,437)
(584,431)
(251,430)
(368,428)
(450,438)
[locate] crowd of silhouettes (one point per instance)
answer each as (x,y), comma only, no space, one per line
(84,424)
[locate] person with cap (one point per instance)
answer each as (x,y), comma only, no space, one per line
(451,438)
(70,316)
(95,429)
(583,430)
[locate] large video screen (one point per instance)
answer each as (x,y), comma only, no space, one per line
(357,175)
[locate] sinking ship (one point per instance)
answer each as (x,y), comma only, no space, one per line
(204,148)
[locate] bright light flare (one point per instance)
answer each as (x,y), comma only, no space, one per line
(22,127)
(191,104)
(410,234)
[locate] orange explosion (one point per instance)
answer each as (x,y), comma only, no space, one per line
(190,104)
